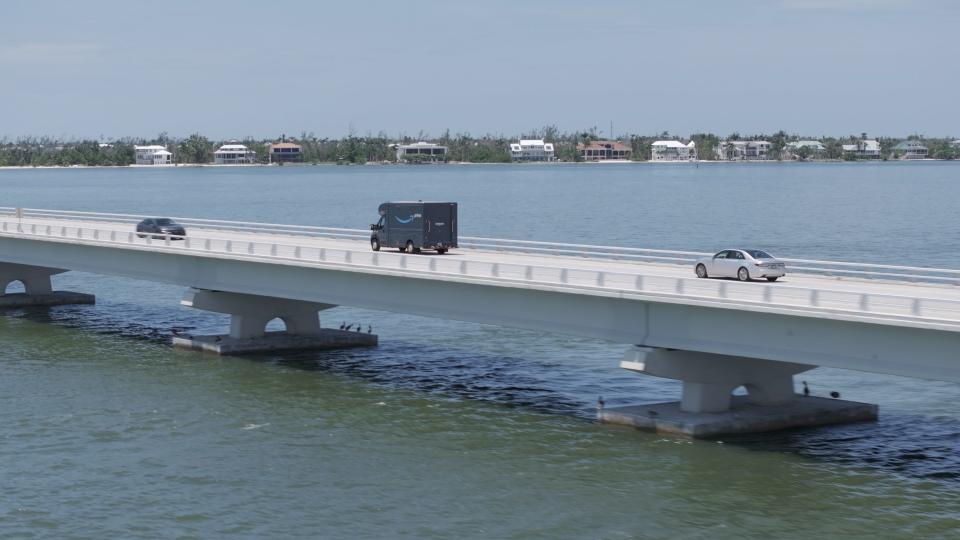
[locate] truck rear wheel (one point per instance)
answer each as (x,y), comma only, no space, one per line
(375,244)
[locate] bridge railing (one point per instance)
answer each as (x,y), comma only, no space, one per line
(616,253)
(550,275)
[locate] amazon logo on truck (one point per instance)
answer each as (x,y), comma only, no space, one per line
(408,219)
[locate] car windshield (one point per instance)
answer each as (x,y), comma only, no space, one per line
(757,254)
(165,221)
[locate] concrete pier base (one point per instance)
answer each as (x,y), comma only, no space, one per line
(742,417)
(38,287)
(249,315)
(275,341)
(708,407)
(56,298)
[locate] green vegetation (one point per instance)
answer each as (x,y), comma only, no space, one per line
(462,147)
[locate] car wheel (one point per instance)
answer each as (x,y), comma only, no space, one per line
(774,278)
(743,274)
(410,247)
(701,271)
(375,244)
(401,249)
(441,251)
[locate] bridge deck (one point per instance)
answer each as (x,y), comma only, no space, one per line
(934,305)
(826,283)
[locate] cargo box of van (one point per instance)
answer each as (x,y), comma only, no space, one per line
(412,226)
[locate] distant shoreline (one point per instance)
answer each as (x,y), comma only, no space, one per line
(532,163)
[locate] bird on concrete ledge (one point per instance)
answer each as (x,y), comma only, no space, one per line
(343,325)
(834,394)
(369,329)
(348,327)
(806,390)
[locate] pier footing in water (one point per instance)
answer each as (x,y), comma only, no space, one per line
(56,298)
(275,341)
(742,417)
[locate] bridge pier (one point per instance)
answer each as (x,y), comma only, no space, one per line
(249,315)
(38,287)
(708,407)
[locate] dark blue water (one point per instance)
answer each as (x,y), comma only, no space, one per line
(487,433)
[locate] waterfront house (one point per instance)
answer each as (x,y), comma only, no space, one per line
(814,148)
(604,150)
(234,154)
(730,150)
(673,151)
(863,149)
(910,150)
(421,151)
(153,154)
(532,150)
(956,144)
(284,152)
(742,150)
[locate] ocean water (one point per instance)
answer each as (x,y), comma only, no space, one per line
(485,432)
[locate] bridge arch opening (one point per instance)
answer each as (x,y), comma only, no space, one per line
(276,324)
(15,286)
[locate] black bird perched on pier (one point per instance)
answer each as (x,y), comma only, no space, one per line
(348,327)
(343,325)
(834,394)
(359,327)
(600,402)
(806,390)
(369,329)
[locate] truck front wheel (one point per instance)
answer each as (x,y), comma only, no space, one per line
(375,244)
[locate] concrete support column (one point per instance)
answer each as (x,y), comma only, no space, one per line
(35,279)
(710,379)
(38,287)
(709,408)
(249,314)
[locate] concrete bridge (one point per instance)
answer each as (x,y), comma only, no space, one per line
(714,335)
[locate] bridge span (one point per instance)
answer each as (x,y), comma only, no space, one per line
(714,335)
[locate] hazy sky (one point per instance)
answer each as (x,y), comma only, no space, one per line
(238,68)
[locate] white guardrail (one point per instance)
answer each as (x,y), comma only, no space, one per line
(23,223)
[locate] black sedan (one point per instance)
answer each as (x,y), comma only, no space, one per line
(160,227)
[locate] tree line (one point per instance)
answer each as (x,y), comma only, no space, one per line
(359,149)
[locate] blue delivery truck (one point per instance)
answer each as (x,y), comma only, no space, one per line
(412,226)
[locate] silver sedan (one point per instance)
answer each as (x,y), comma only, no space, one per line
(743,264)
